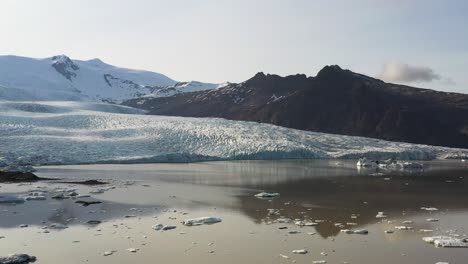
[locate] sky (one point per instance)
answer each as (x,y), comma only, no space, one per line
(422,43)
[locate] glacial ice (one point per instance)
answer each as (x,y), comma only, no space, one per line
(52,133)
(17,259)
(201,221)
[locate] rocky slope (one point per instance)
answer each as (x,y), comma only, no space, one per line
(335,101)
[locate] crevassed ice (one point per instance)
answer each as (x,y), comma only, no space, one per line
(43,133)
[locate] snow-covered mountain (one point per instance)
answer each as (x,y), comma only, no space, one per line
(41,133)
(60,78)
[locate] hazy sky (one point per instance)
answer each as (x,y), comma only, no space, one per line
(423,43)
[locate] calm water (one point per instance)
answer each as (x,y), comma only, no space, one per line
(310,190)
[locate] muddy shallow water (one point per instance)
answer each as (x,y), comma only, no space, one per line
(149,194)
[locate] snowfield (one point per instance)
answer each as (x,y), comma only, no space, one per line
(46,133)
(60,78)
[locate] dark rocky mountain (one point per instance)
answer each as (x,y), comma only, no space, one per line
(335,101)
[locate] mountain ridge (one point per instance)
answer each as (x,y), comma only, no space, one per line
(59,78)
(335,101)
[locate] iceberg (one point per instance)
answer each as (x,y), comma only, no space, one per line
(17,259)
(446,241)
(63,133)
(201,221)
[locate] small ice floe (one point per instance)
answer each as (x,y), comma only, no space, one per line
(11,200)
(201,221)
(300,251)
(58,226)
(17,259)
(380,215)
(283,220)
(357,232)
(306,223)
(130,216)
(365,163)
(93,222)
(133,250)
(426,230)
(403,227)
(446,241)
(35,198)
(161,227)
(430,209)
(319,262)
(266,195)
(109,253)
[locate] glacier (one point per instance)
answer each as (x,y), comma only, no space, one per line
(66,132)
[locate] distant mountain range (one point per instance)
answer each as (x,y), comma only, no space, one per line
(60,78)
(335,101)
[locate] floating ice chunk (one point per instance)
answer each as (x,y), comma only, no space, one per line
(11,200)
(380,215)
(58,226)
(403,227)
(35,198)
(17,259)
(357,232)
(157,227)
(283,220)
(266,195)
(300,251)
(168,227)
(365,163)
(425,230)
(430,209)
(202,221)
(446,241)
(306,223)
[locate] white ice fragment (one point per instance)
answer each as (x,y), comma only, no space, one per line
(35,198)
(430,209)
(17,259)
(365,163)
(201,221)
(300,251)
(446,241)
(157,227)
(380,215)
(403,227)
(266,195)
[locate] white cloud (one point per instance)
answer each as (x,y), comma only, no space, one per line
(402,72)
